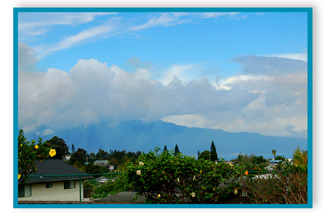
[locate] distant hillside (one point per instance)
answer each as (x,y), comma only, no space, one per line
(140,136)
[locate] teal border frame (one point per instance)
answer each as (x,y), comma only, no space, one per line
(307,10)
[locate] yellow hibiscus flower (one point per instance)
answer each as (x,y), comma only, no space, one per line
(36,146)
(52,152)
(19,175)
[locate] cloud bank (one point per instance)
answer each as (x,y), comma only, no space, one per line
(269,96)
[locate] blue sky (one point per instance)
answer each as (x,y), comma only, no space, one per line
(233,71)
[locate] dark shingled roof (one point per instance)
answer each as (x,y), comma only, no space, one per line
(52,170)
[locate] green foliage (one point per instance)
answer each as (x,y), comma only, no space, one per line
(176,150)
(165,148)
(91,157)
(80,155)
(93,169)
(73,149)
(279,157)
(204,155)
(274,153)
(113,186)
(258,160)
(213,153)
(102,155)
(29,154)
(300,158)
(59,145)
(77,164)
(168,178)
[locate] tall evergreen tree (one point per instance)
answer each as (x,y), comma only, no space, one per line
(73,149)
(176,150)
(213,153)
(165,149)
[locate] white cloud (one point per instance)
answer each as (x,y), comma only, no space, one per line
(142,73)
(293,56)
(165,19)
(182,72)
(258,100)
(217,14)
(26,57)
(93,92)
(73,40)
(47,131)
(29,22)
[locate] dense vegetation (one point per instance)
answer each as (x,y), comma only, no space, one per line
(171,177)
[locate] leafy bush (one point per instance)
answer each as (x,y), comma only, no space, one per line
(169,178)
(113,186)
(286,185)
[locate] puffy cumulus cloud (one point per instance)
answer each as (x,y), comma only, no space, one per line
(270,65)
(93,92)
(280,107)
(26,57)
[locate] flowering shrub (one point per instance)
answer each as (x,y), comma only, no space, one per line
(29,153)
(169,178)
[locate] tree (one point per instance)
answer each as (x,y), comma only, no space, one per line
(279,157)
(176,150)
(213,153)
(198,153)
(204,155)
(29,154)
(258,160)
(80,155)
(300,158)
(274,153)
(93,169)
(165,149)
(59,145)
(92,157)
(73,149)
(102,155)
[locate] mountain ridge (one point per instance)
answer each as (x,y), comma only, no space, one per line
(145,136)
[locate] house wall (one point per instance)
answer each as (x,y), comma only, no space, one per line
(56,193)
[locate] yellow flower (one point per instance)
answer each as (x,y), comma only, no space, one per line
(200,171)
(193,194)
(213,189)
(235,191)
(36,146)
(19,175)
(159,195)
(246,172)
(20,144)
(52,152)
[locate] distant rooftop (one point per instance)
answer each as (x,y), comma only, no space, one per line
(101,161)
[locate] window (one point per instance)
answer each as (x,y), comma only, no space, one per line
(69,184)
(49,185)
(24,191)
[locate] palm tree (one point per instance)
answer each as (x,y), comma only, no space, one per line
(300,158)
(274,153)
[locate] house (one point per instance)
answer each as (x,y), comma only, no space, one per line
(104,163)
(275,162)
(54,180)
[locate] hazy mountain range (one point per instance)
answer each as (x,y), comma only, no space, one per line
(141,136)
